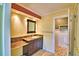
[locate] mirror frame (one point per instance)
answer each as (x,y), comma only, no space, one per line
(28,20)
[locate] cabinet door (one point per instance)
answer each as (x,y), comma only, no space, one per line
(40,43)
(36,45)
(25,50)
(31,48)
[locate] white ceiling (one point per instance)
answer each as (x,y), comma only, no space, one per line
(45,8)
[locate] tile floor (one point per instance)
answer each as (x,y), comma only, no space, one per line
(42,53)
(59,52)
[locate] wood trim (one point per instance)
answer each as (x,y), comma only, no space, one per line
(24,10)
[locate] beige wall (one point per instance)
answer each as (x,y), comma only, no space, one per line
(45,26)
(19,23)
(18,26)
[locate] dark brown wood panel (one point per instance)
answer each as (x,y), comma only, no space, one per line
(24,10)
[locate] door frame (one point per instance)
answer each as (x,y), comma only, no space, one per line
(62,16)
(6,41)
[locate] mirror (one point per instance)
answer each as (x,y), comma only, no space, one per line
(31,26)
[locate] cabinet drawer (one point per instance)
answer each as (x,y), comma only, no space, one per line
(17,51)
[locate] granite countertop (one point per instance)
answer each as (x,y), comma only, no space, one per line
(31,38)
(18,44)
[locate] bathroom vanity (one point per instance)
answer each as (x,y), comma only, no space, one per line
(35,43)
(26,45)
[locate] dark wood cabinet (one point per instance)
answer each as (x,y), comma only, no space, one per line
(25,50)
(33,46)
